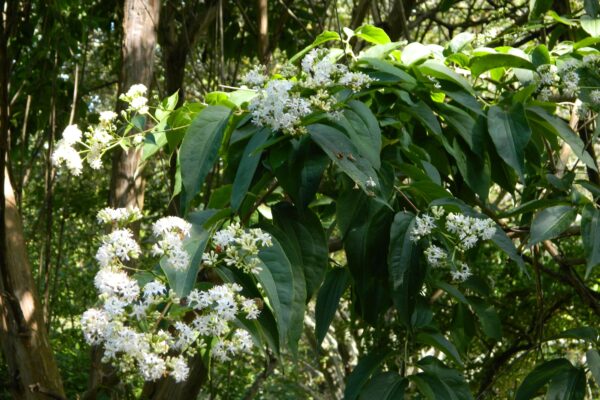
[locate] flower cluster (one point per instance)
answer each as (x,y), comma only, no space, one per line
(170,232)
(461,232)
(133,324)
(99,138)
(136,98)
(66,153)
(237,247)
(564,81)
(282,103)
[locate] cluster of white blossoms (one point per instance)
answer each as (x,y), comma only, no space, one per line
(132,322)
(563,81)
(136,98)
(99,138)
(282,103)
(170,232)
(237,247)
(65,151)
(461,231)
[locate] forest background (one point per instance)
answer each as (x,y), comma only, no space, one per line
(62,62)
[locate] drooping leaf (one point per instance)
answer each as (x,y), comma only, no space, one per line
(305,233)
(584,333)
(540,376)
(490,322)
(510,133)
(591,25)
(383,66)
(551,222)
(451,377)
(438,341)
(344,154)
(438,70)
(336,282)
(366,366)
(570,385)
(363,129)
(277,279)
(385,386)
(247,167)
(593,361)
(200,147)
(406,272)
(590,234)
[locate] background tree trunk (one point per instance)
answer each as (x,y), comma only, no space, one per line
(23,335)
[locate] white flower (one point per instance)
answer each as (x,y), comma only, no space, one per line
(171,224)
(355,80)
(545,94)
(153,289)
(139,104)
(462,273)
(424,225)
(152,367)
(595,97)
(137,90)
(67,154)
(255,78)
(110,215)
(71,135)
(370,183)
(436,256)
(117,283)
(250,308)
(106,117)
(93,324)
(180,369)
(118,244)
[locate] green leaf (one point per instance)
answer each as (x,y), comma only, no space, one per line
(538,8)
(592,7)
(490,322)
(540,376)
(438,341)
(432,387)
(336,282)
(247,167)
(182,282)
(451,377)
(344,154)
(562,129)
(277,279)
(551,222)
(388,68)
(305,233)
(324,37)
(385,386)
(154,141)
(460,41)
(570,385)
(366,366)
(440,71)
(363,129)
(200,147)
(414,52)
(293,254)
(540,56)
(592,359)
(510,133)
(406,272)
(590,234)
(486,62)
(372,34)
(591,25)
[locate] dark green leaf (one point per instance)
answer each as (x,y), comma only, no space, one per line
(551,222)
(451,377)
(490,322)
(247,167)
(584,333)
(440,71)
(336,282)
(366,366)
(406,272)
(200,148)
(593,361)
(590,234)
(510,133)
(363,129)
(570,385)
(438,341)
(385,386)
(540,376)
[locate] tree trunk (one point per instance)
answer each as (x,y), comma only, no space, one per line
(140,25)
(263,31)
(33,373)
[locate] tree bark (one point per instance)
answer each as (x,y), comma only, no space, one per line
(263,31)
(140,25)
(33,373)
